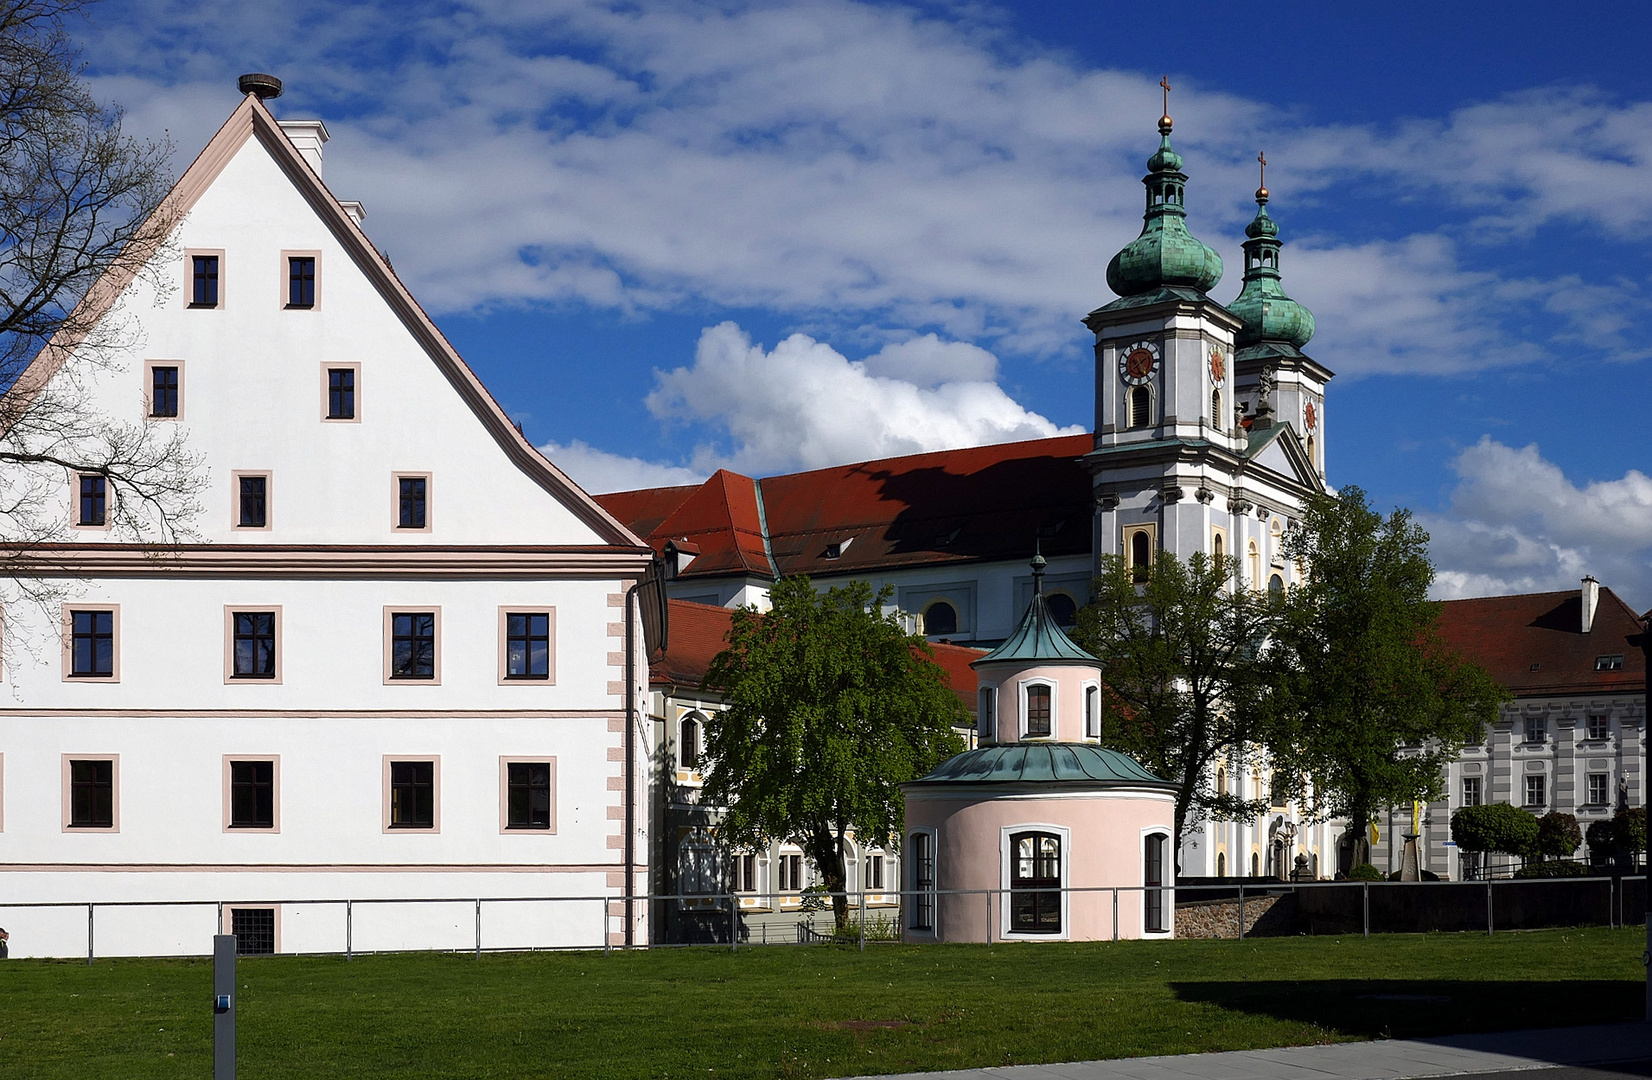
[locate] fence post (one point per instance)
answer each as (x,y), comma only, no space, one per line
(1115,912)
(349,930)
(478,928)
(1241,911)
(88,933)
(733,923)
(1488,905)
(1365,906)
(989,916)
(863,916)
(607,946)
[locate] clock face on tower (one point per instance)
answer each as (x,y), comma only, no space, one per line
(1138,361)
(1218,365)
(1312,417)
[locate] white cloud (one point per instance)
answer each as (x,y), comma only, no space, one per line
(1517,524)
(598,471)
(928,361)
(803,405)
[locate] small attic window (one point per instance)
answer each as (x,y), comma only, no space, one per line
(1535,666)
(1609,663)
(836,548)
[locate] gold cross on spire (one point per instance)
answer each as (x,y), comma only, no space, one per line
(1262,184)
(1164,120)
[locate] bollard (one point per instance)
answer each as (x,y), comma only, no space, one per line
(223,1007)
(1241,911)
(1488,906)
(1365,906)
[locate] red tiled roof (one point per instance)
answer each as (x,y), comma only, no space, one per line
(698,633)
(1508,635)
(983,502)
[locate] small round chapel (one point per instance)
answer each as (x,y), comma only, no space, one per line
(1039,833)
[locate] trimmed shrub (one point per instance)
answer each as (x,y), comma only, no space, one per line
(1601,838)
(1560,868)
(1365,872)
(1495,827)
(1629,828)
(1558,836)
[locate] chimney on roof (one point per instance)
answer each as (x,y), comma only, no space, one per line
(308,137)
(1591,600)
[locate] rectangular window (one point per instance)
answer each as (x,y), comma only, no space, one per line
(922,861)
(528,795)
(92,794)
(1092,712)
(1471,791)
(986,706)
(412,502)
(254,930)
(252,500)
(1038,712)
(791,873)
(1597,789)
(1536,729)
(204,292)
(412,645)
(163,391)
(1609,663)
(874,872)
(1535,791)
(341,393)
(252,794)
(94,501)
(412,795)
(92,644)
(252,645)
(301,281)
(527,645)
(745,873)
(1600,727)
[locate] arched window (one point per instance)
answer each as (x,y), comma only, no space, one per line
(688,743)
(1216,409)
(921,859)
(1141,406)
(1153,893)
(1311,459)
(1276,585)
(1218,546)
(1035,883)
(1141,554)
(1255,865)
(1092,712)
(1221,864)
(1221,781)
(1255,560)
(1038,712)
(1063,609)
(940,618)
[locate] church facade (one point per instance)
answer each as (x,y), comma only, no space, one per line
(1209,434)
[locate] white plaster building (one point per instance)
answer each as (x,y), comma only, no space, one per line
(399,663)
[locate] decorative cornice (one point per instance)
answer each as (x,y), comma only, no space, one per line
(291,561)
(1204,494)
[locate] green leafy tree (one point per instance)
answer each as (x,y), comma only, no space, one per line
(1558,836)
(1379,704)
(1182,653)
(1629,829)
(1498,827)
(831,706)
(1601,838)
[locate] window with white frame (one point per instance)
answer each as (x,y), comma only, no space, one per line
(874,872)
(1536,729)
(986,718)
(790,873)
(1535,790)
(921,860)
(1471,791)
(1092,712)
(1600,727)
(1154,903)
(1598,789)
(1037,710)
(1035,883)
(745,872)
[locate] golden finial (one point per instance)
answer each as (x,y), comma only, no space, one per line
(1262,189)
(1165,121)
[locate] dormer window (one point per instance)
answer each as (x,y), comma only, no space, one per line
(1038,703)
(1609,663)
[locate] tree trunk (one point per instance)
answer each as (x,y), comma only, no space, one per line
(828,858)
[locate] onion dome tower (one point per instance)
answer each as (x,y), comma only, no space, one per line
(1165,254)
(1268,314)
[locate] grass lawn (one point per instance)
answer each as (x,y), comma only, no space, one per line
(800,1012)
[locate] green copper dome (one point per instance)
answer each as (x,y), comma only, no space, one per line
(1165,253)
(1267,313)
(1043,763)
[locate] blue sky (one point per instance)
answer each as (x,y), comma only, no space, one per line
(679,236)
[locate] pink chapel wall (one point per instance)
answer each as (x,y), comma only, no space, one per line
(1103,847)
(1067,706)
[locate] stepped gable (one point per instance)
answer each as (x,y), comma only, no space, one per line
(1506,635)
(978,503)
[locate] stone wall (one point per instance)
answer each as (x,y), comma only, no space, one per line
(1264,915)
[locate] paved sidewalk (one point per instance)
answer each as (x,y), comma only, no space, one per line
(1390,1059)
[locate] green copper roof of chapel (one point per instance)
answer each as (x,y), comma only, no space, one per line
(1039,762)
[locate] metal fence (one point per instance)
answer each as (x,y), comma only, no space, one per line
(1235,909)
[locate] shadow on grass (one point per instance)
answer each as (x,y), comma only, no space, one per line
(1413,1008)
